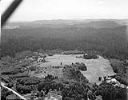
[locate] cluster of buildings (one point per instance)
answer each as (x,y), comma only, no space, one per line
(112,81)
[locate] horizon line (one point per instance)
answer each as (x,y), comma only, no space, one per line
(68,20)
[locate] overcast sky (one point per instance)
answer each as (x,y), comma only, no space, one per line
(31,10)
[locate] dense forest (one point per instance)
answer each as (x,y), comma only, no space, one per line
(72,86)
(107,37)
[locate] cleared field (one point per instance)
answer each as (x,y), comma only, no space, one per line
(95,67)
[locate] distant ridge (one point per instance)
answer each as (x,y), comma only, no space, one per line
(95,23)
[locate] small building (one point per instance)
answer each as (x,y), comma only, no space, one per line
(41,60)
(115,82)
(53,96)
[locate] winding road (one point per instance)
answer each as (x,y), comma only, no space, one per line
(20,96)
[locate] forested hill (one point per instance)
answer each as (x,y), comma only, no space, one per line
(108,37)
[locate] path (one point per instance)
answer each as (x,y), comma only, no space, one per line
(22,97)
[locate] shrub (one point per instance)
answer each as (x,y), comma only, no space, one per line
(29,81)
(23,88)
(109,92)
